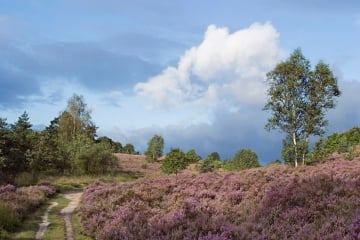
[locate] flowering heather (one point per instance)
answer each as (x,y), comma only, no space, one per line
(275,202)
(16,203)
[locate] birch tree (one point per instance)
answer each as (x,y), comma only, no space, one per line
(298,98)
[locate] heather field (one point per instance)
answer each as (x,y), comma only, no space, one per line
(275,202)
(18,202)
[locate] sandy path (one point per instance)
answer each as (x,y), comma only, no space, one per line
(45,222)
(68,211)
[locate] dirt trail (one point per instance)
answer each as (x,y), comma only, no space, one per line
(45,222)
(68,211)
(65,213)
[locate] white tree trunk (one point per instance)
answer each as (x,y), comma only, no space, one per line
(295,149)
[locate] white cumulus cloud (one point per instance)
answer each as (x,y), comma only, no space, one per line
(224,67)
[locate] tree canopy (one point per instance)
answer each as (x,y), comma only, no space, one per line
(174,162)
(243,159)
(155,148)
(298,98)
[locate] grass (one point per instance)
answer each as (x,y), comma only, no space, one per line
(79,233)
(76,183)
(56,229)
(30,226)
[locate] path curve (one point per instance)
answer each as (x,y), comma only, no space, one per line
(45,222)
(69,210)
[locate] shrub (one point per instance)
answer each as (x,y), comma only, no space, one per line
(243,159)
(16,203)
(276,202)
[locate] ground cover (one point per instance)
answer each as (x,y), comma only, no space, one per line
(275,202)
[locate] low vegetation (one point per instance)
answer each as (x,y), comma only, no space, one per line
(275,202)
(18,202)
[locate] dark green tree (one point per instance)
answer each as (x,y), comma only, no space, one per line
(192,156)
(243,159)
(298,99)
(155,148)
(116,147)
(174,162)
(20,145)
(4,148)
(210,163)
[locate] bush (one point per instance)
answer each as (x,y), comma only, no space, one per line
(174,162)
(16,203)
(243,159)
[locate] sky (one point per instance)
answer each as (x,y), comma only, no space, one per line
(191,71)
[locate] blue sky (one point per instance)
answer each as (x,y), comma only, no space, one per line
(191,71)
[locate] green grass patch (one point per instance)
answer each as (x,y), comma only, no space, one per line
(30,226)
(56,229)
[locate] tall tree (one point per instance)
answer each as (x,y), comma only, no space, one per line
(76,119)
(298,99)
(19,145)
(155,148)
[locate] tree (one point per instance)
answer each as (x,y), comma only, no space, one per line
(298,99)
(155,148)
(174,162)
(20,145)
(192,156)
(243,159)
(76,119)
(116,147)
(95,158)
(129,149)
(4,147)
(210,163)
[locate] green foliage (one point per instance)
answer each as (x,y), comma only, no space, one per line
(67,145)
(155,148)
(192,156)
(8,218)
(215,156)
(116,147)
(243,159)
(98,159)
(174,162)
(337,142)
(15,144)
(129,149)
(210,163)
(298,99)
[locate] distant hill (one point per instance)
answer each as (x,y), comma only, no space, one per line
(137,164)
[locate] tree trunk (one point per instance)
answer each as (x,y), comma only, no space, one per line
(304,150)
(295,149)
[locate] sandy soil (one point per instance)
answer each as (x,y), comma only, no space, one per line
(69,210)
(45,222)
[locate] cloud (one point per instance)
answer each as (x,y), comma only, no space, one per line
(347,112)
(224,67)
(25,69)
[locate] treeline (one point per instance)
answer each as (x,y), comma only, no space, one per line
(177,160)
(69,145)
(347,143)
